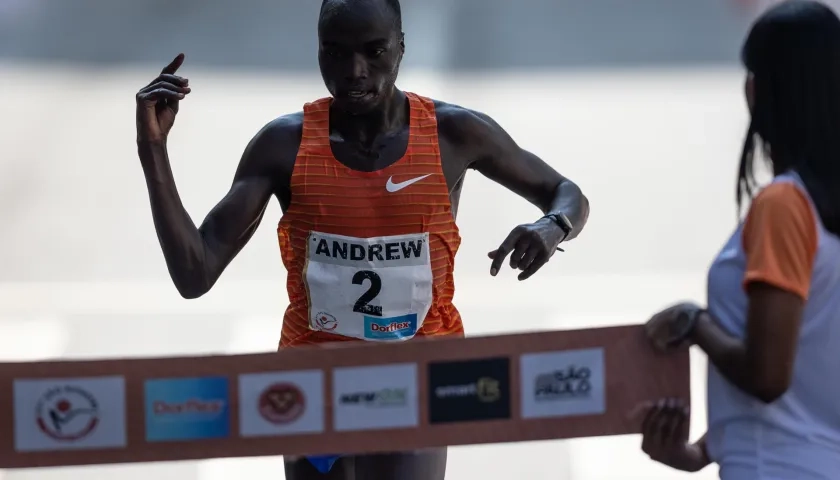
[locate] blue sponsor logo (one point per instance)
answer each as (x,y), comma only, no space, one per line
(393,328)
(187,408)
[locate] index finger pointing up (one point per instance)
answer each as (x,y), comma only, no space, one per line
(174,65)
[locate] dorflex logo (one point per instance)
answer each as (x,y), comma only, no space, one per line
(393,328)
(186,408)
(563,383)
(69,413)
(281,403)
(378,397)
(469,390)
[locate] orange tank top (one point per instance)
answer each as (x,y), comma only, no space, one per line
(369,255)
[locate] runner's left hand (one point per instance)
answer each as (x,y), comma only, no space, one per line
(530,246)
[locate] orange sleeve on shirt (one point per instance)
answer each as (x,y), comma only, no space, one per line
(780,239)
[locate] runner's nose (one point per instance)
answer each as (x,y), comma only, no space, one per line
(358,68)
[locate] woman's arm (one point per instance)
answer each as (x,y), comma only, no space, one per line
(780,242)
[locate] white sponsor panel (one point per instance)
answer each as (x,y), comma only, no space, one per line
(376,289)
(563,383)
(69,413)
(281,403)
(378,397)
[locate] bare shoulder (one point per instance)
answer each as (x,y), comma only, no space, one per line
(473,138)
(461,125)
(281,134)
(274,148)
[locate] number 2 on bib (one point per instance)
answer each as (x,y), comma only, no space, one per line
(362,304)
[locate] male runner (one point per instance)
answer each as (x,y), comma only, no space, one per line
(368,180)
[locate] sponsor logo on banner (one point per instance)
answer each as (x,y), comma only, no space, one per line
(377,397)
(563,383)
(69,413)
(186,408)
(281,403)
(469,390)
(573,382)
(387,397)
(393,328)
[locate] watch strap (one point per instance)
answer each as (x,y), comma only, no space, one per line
(561,222)
(687,320)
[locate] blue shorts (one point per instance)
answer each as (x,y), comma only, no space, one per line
(323,463)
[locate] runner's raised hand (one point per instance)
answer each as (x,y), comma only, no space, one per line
(157,103)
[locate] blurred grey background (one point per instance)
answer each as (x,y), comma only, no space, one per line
(638,101)
(449,35)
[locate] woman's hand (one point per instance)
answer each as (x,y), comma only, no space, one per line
(665,436)
(669,325)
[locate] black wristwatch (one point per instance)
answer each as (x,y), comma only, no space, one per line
(563,222)
(684,324)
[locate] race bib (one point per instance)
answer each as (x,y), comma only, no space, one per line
(377,289)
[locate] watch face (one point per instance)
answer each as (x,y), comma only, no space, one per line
(679,327)
(564,222)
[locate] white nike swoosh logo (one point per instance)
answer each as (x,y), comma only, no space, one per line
(395,187)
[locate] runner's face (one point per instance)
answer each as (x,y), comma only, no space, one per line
(359,54)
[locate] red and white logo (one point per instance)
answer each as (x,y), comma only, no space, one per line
(325,321)
(281,403)
(67,413)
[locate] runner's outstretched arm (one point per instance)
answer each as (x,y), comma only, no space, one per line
(196,256)
(499,158)
(528,176)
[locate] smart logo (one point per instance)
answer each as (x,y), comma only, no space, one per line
(186,408)
(392,328)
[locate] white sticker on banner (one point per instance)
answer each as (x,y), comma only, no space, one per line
(52,414)
(563,383)
(281,403)
(379,397)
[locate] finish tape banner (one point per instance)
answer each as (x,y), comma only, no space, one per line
(336,398)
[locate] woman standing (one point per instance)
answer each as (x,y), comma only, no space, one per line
(772,326)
